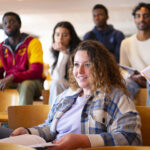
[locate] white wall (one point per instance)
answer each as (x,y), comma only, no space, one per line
(40,16)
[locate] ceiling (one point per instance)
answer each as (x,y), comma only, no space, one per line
(52,6)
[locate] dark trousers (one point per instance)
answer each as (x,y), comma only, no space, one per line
(5,132)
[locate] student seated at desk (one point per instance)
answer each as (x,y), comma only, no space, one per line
(95,110)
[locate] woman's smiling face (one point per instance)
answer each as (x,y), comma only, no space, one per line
(82,69)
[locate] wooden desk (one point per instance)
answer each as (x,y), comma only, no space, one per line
(120,148)
(8,146)
(3,116)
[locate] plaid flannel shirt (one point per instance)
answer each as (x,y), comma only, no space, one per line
(107,121)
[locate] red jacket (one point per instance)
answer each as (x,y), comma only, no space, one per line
(25,62)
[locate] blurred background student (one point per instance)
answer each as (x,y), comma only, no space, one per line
(134,51)
(65,40)
(21,61)
(105,33)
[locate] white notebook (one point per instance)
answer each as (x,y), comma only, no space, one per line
(146,73)
(28,140)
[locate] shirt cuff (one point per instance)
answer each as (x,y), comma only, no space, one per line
(96,140)
(34,131)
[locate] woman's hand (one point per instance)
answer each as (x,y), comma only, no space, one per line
(19,131)
(71,141)
(59,47)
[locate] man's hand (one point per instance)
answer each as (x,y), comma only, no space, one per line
(71,141)
(4,83)
(19,131)
(139,79)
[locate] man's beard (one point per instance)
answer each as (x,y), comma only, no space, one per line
(100,25)
(12,33)
(143,28)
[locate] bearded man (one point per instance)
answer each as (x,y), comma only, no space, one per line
(21,61)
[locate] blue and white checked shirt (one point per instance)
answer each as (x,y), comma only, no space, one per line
(106,121)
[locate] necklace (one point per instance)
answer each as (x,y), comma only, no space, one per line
(87,95)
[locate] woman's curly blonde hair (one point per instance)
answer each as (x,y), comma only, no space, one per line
(105,72)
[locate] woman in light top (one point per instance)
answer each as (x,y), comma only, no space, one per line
(65,40)
(96,110)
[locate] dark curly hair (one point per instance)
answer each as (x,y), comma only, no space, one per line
(100,6)
(105,72)
(145,5)
(12,14)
